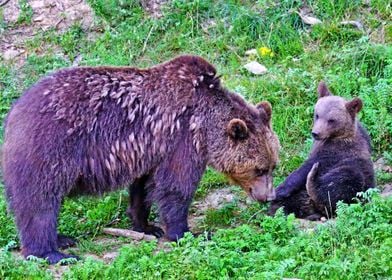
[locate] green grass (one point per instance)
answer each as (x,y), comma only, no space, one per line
(26,13)
(246,243)
(355,247)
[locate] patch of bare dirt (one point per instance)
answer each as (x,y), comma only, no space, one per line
(387,190)
(58,271)
(153,7)
(57,14)
(214,200)
(381,165)
(310,226)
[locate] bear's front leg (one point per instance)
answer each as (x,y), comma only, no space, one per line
(173,208)
(176,179)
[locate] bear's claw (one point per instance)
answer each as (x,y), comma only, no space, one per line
(55,257)
(151,230)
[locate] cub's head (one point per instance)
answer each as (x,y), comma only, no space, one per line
(245,148)
(334,117)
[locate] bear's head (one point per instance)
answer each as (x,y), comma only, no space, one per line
(334,117)
(245,148)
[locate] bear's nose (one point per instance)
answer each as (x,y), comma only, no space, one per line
(315,135)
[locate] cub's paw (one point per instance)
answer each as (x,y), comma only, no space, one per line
(64,241)
(274,206)
(282,192)
(55,257)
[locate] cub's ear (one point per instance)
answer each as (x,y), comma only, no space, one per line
(266,108)
(354,106)
(237,129)
(323,90)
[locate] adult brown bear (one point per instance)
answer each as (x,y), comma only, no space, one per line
(92,130)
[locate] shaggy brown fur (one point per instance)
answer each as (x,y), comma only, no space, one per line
(339,164)
(92,130)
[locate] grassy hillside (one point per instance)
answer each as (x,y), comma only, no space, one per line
(246,244)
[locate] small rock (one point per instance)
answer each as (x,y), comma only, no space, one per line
(255,68)
(353,23)
(36,5)
(323,219)
(11,54)
(38,19)
(307,18)
(251,52)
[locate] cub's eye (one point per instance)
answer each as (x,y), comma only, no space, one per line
(331,121)
(260,172)
(316,116)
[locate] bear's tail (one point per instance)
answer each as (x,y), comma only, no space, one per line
(310,183)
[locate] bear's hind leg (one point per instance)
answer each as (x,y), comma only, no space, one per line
(310,182)
(64,241)
(38,233)
(139,208)
(341,183)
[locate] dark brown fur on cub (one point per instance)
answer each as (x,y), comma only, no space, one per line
(92,130)
(339,164)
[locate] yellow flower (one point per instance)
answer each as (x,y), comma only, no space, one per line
(264,51)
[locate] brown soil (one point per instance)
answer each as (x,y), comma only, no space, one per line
(56,14)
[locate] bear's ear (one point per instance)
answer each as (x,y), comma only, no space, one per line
(266,108)
(323,90)
(237,129)
(354,106)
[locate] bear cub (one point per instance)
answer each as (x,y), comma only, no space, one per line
(339,164)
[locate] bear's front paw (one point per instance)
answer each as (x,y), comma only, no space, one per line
(152,230)
(175,234)
(55,257)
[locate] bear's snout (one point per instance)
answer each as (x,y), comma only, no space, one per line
(262,189)
(316,135)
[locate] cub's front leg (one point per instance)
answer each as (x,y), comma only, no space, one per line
(295,181)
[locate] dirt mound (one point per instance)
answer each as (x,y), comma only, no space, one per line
(24,21)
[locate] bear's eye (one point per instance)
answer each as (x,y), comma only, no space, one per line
(331,121)
(260,172)
(317,116)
